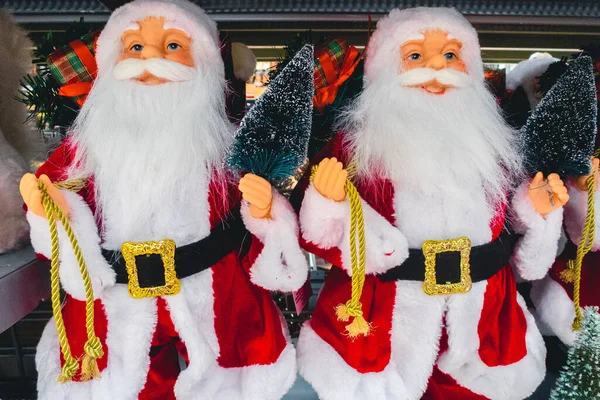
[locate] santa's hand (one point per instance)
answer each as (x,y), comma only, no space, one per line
(330,179)
(547,196)
(257,191)
(32,195)
(581,182)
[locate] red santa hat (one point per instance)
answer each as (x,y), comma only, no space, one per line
(383,51)
(180,14)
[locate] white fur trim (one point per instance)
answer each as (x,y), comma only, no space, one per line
(525,74)
(576,212)
(47,361)
(383,52)
(462,362)
(333,379)
(85,230)
(192,313)
(526,71)
(554,310)
(131,324)
(189,17)
(244,61)
(536,250)
(326,223)
(416,330)
(281,265)
(322,220)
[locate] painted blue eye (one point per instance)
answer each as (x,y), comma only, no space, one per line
(450,56)
(136,47)
(415,56)
(173,46)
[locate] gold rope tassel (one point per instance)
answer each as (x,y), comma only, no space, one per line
(93,346)
(353,307)
(573,272)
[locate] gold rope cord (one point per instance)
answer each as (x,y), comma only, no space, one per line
(353,307)
(573,272)
(93,347)
(74,185)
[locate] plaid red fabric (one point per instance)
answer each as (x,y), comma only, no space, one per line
(334,52)
(67,67)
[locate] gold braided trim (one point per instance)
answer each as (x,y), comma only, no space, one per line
(93,347)
(573,272)
(353,307)
(74,185)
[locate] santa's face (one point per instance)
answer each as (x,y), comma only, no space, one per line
(154,53)
(153,129)
(428,59)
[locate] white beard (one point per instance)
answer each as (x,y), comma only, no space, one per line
(451,157)
(428,142)
(151,151)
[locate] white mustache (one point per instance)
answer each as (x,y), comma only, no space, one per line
(159,67)
(447,76)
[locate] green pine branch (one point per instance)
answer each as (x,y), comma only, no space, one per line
(580,378)
(40,94)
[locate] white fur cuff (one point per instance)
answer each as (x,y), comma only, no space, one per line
(281,265)
(85,230)
(576,212)
(537,249)
(322,220)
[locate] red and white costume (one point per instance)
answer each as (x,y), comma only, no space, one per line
(223,321)
(475,345)
(552,297)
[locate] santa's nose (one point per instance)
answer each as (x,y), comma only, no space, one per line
(437,62)
(150,51)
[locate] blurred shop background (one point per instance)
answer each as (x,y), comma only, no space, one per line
(510,31)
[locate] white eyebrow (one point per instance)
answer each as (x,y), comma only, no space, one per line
(132,26)
(416,36)
(176,25)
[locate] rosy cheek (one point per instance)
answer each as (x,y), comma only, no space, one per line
(459,66)
(184,58)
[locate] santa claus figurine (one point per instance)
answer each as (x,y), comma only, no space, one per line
(165,240)
(439,175)
(553,296)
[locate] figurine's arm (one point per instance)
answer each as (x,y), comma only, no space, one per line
(325,223)
(280,264)
(537,214)
(577,208)
(84,229)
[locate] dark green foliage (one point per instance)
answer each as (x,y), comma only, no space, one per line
(517,109)
(289,51)
(580,378)
(559,135)
(551,75)
(40,94)
(54,40)
(272,139)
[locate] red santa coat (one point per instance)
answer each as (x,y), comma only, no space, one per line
(223,319)
(482,344)
(552,296)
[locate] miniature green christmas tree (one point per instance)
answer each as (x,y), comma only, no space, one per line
(580,378)
(272,140)
(559,135)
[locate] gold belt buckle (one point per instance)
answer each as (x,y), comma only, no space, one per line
(431,248)
(166,249)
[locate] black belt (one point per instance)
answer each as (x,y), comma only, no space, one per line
(485,261)
(190,259)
